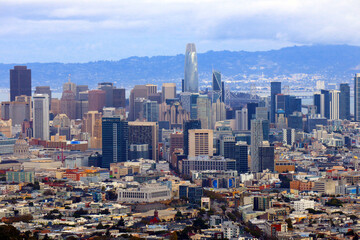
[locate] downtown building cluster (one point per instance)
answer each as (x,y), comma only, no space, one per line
(178,163)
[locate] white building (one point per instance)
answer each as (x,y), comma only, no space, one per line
(334,104)
(303,204)
(41,116)
(230,229)
(145,193)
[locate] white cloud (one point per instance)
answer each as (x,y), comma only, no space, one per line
(214,22)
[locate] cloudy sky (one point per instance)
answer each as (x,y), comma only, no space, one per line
(90,30)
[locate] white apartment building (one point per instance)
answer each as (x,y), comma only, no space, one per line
(303,204)
(145,193)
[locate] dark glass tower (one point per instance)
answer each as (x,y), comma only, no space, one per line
(115,134)
(344,101)
(217,87)
(326,94)
(20,82)
(241,157)
(275,89)
(251,107)
(191,124)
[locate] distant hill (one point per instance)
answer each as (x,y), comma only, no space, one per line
(334,62)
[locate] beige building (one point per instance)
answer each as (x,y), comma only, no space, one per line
(92,124)
(5,128)
(326,186)
(201,142)
(168,91)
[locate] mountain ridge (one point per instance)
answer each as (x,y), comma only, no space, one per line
(335,62)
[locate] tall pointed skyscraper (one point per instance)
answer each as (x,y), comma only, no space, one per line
(191,80)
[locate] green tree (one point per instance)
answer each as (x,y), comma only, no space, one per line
(289,223)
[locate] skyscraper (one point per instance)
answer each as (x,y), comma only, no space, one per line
(191,124)
(114,141)
(69,86)
(68,104)
(108,88)
(119,97)
(251,111)
(97,99)
(44,90)
(41,116)
(20,82)
(200,142)
(191,81)
(151,111)
(168,91)
(357,97)
(241,117)
(266,156)
(334,96)
(241,157)
(204,111)
(344,101)
(217,87)
(139,91)
(275,89)
(259,133)
(145,133)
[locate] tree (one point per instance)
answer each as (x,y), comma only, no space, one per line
(121,222)
(289,222)
(178,215)
(9,232)
(100,226)
(174,236)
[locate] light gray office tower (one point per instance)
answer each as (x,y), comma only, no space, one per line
(217,87)
(44,90)
(41,116)
(191,78)
(258,135)
(357,97)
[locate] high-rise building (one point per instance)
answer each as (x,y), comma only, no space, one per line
(259,133)
(119,98)
(200,142)
(114,141)
(188,125)
(266,156)
(18,112)
(69,86)
(97,99)
(92,124)
(20,82)
(289,136)
(241,118)
(204,111)
(357,97)
(251,110)
(151,111)
(79,89)
(217,87)
(44,90)
(218,112)
(227,146)
(41,116)
(139,91)
(28,101)
(145,133)
(191,81)
(108,88)
(68,104)
(334,97)
(344,101)
(261,113)
(151,89)
(241,157)
(275,89)
(168,91)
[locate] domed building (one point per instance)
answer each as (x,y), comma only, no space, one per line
(21,147)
